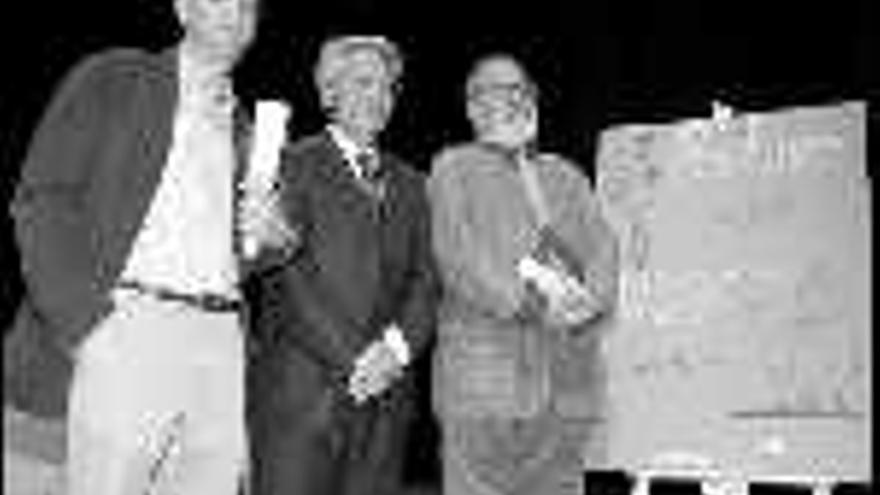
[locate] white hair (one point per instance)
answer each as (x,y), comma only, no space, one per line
(336,53)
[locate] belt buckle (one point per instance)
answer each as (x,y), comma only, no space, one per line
(216,303)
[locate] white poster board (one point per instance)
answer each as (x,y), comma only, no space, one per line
(743,340)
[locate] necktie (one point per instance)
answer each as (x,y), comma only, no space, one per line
(370,173)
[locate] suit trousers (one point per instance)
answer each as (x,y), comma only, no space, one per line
(310,439)
(157,402)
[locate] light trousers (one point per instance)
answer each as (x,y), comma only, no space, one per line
(157,403)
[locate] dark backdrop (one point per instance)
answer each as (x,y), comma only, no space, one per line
(598,64)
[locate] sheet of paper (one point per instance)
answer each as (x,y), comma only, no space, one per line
(270,126)
(550,281)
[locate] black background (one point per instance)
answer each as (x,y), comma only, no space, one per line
(597,64)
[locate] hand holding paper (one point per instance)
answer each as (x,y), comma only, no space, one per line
(568,301)
(270,129)
(572,308)
(262,223)
(553,283)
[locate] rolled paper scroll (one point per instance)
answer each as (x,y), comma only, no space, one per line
(270,127)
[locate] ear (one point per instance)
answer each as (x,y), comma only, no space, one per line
(329,97)
(472,114)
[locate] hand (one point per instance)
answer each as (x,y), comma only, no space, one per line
(262,223)
(572,306)
(533,305)
(374,371)
(549,279)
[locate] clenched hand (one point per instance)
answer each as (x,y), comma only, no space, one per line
(375,370)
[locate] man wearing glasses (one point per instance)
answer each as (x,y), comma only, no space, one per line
(528,268)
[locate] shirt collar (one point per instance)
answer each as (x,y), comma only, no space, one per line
(350,149)
(199,79)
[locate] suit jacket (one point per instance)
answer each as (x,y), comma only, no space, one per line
(90,174)
(361,265)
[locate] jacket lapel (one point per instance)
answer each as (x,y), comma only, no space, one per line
(341,178)
(242,137)
(155,117)
(151,137)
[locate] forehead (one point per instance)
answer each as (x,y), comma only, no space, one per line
(497,72)
(208,4)
(357,57)
(363,61)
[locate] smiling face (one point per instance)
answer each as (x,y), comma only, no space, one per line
(218,30)
(501,103)
(360,94)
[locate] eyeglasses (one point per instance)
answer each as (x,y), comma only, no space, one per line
(516,92)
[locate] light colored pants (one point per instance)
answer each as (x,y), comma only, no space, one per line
(157,403)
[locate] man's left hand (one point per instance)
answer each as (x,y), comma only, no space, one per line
(572,307)
(375,370)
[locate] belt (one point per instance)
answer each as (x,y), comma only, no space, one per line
(213,303)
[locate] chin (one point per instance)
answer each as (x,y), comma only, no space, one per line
(369,128)
(511,144)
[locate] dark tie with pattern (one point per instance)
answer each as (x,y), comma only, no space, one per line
(371,174)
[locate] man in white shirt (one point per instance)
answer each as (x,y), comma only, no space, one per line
(124,214)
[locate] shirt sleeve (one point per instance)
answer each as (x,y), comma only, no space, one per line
(291,282)
(418,310)
(592,238)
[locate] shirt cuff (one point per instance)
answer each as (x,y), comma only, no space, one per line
(394,339)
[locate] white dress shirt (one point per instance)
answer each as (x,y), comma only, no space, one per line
(393,336)
(185,242)
(350,150)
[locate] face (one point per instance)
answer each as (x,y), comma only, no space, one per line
(362,95)
(220,29)
(501,105)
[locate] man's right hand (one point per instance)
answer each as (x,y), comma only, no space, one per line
(262,223)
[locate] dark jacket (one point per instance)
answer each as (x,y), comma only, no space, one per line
(361,266)
(89,177)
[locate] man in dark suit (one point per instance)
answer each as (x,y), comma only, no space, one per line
(123,215)
(341,320)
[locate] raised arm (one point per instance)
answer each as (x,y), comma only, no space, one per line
(290,292)
(267,237)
